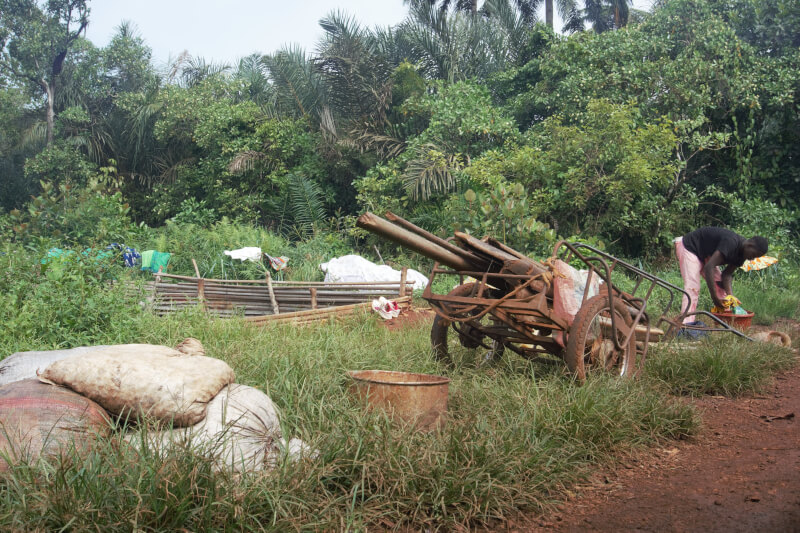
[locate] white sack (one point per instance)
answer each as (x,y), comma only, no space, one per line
(570,284)
(354,268)
(249,253)
(241,432)
(144,380)
(25,365)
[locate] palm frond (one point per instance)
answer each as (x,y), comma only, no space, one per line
(246,161)
(386,144)
(300,91)
(431,173)
(305,200)
(169,167)
(34,136)
(196,70)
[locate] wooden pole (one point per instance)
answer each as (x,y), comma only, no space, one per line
(196,270)
(403,278)
(321,314)
(201,286)
(313,292)
(272,299)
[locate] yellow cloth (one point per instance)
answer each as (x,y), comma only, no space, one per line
(758,263)
(730,301)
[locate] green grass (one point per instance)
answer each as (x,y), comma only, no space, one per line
(722,364)
(518,434)
(767,300)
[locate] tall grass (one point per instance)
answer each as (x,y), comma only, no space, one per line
(721,364)
(770,294)
(517,435)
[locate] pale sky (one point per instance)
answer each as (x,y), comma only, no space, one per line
(225,30)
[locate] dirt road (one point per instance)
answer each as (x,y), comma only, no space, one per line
(742,474)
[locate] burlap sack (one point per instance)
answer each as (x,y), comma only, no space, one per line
(138,380)
(241,433)
(241,430)
(40,419)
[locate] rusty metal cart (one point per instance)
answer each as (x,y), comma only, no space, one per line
(512,300)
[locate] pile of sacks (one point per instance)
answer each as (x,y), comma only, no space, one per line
(49,400)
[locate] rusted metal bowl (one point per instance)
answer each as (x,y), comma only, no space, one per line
(737,321)
(416,399)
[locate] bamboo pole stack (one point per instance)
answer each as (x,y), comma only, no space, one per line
(268,298)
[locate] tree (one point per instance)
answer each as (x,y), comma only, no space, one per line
(470,6)
(34,41)
(567,9)
(605,15)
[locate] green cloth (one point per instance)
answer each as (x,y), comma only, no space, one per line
(147,259)
(153,260)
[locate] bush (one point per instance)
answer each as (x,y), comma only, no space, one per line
(72,303)
(79,216)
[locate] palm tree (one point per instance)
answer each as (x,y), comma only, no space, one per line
(567,10)
(468,6)
(455,46)
(355,69)
(606,15)
(300,90)
(253,71)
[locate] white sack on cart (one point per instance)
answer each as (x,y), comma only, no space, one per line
(570,284)
(354,269)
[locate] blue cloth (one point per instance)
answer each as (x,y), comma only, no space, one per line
(130,256)
(693,334)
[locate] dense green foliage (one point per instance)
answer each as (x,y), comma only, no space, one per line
(457,119)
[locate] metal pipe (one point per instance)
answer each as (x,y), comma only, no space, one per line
(375,224)
(403,223)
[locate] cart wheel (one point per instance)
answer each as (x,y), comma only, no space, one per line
(441,326)
(590,344)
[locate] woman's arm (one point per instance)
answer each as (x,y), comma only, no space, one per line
(708,273)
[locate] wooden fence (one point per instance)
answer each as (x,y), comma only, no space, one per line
(262,300)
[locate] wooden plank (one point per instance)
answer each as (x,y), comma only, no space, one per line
(283,283)
(402,302)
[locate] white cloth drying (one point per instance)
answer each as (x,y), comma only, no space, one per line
(249,253)
(354,269)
